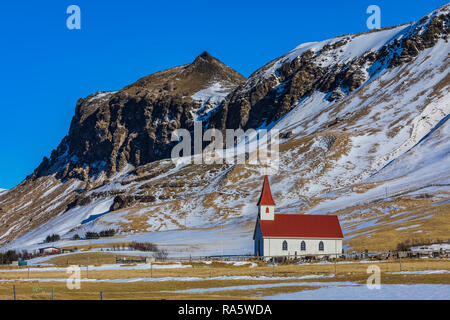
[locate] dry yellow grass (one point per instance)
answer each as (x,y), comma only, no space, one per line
(422,215)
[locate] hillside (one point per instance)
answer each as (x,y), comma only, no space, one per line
(363,120)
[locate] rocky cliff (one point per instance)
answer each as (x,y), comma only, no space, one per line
(134,125)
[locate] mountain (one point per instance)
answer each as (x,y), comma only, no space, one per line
(363,121)
(134,125)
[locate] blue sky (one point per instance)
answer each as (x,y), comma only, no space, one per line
(46,67)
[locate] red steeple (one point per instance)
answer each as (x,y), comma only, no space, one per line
(266,195)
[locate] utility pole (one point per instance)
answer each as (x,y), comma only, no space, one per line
(221,232)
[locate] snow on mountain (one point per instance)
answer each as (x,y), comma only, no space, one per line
(64,222)
(213,94)
(209,98)
(382,122)
(426,162)
(354,46)
(350,46)
(364,135)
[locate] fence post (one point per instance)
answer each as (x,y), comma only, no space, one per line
(101,295)
(53,293)
(151,269)
(14,292)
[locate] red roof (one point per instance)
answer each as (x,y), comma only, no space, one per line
(302,226)
(266,195)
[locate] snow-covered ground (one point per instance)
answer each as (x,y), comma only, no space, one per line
(422,272)
(260,286)
(361,292)
(230,239)
(433,247)
(3,191)
(64,222)
(181,279)
(142,266)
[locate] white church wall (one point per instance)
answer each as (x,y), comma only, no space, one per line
(266,212)
(274,247)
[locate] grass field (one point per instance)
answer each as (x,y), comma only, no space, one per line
(250,281)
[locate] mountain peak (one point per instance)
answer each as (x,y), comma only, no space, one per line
(212,69)
(205,55)
(195,76)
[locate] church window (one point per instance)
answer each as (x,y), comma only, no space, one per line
(285,246)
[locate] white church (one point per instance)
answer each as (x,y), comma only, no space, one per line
(294,235)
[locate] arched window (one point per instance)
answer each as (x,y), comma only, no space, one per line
(285,245)
(267,209)
(321,246)
(303,246)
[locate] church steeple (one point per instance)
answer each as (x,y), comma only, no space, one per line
(266,205)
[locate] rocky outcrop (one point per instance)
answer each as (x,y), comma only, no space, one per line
(134,125)
(123,201)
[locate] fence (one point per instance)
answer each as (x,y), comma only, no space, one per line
(130,260)
(51,295)
(384,255)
